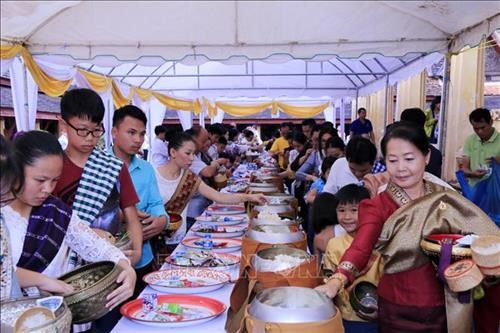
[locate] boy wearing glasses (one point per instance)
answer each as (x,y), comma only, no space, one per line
(94,183)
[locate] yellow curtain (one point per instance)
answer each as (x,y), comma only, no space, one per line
(118,99)
(97,82)
(243,110)
(143,94)
(466,93)
(376,113)
(9,51)
(211,109)
(46,83)
(302,111)
(411,93)
(179,104)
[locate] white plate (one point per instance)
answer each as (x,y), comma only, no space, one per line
(210,279)
(231,246)
(229,233)
(225,210)
(221,220)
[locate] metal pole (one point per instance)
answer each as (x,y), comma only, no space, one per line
(386,98)
(443,113)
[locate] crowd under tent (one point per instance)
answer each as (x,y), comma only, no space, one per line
(212,58)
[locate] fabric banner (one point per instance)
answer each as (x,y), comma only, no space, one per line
(18,74)
(466,93)
(186,119)
(411,93)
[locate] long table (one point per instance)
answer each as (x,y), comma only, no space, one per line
(213,326)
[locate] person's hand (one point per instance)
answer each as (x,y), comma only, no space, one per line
(311,178)
(221,161)
(478,173)
(369,316)
(331,288)
(154,226)
(258,198)
(54,286)
(127,279)
(133,255)
(142,215)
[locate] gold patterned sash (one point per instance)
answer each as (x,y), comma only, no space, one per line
(187,187)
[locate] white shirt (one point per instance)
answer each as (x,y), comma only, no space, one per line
(212,152)
(79,237)
(159,152)
(197,164)
(340,176)
(167,189)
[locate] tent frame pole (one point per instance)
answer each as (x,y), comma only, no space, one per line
(444,106)
(386,104)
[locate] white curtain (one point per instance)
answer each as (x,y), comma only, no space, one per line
(17,79)
(109,110)
(342,118)
(202,118)
(5,65)
(329,112)
(32,89)
(156,115)
(186,119)
(219,117)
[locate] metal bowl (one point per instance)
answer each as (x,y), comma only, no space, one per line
(275,234)
(279,198)
(362,296)
(291,305)
(278,209)
(92,284)
(263,261)
(11,309)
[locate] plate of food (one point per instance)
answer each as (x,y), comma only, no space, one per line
(215,244)
(202,230)
(225,210)
(186,281)
(204,259)
(221,219)
(172,310)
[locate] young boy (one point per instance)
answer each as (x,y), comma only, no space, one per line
(97,185)
(348,199)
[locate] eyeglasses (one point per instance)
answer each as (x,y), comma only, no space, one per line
(83,132)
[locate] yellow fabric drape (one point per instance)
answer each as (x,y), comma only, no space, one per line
(376,113)
(143,94)
(302,111)
(9,51)
(118,99)
(179,104)
(243,110)
(97,82)
(46,83)
(466,89)
(211,109)
(411,93)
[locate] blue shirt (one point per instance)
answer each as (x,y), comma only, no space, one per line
(144,179)
(359,128)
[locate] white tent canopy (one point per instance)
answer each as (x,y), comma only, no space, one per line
(240,30)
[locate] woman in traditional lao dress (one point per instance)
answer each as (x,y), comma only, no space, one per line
(42,228)
(411,297)
(178,184)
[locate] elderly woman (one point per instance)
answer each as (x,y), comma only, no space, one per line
(411,297)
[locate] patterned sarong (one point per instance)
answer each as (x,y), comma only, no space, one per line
(187,187)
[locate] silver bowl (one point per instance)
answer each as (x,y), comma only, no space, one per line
(11,309)
(275,234)
(278,209)
(264,260)
(291,305)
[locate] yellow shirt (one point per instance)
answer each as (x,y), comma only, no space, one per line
(279,146)
(334,251)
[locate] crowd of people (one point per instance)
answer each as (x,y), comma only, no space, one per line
(59,206)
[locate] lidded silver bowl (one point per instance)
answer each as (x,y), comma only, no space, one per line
(291,305)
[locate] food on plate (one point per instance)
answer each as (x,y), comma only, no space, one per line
(201,259)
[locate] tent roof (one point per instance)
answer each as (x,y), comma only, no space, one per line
(222,30)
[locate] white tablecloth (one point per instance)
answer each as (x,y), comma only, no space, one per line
(213,326)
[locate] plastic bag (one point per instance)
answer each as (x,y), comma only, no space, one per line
(486,193)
